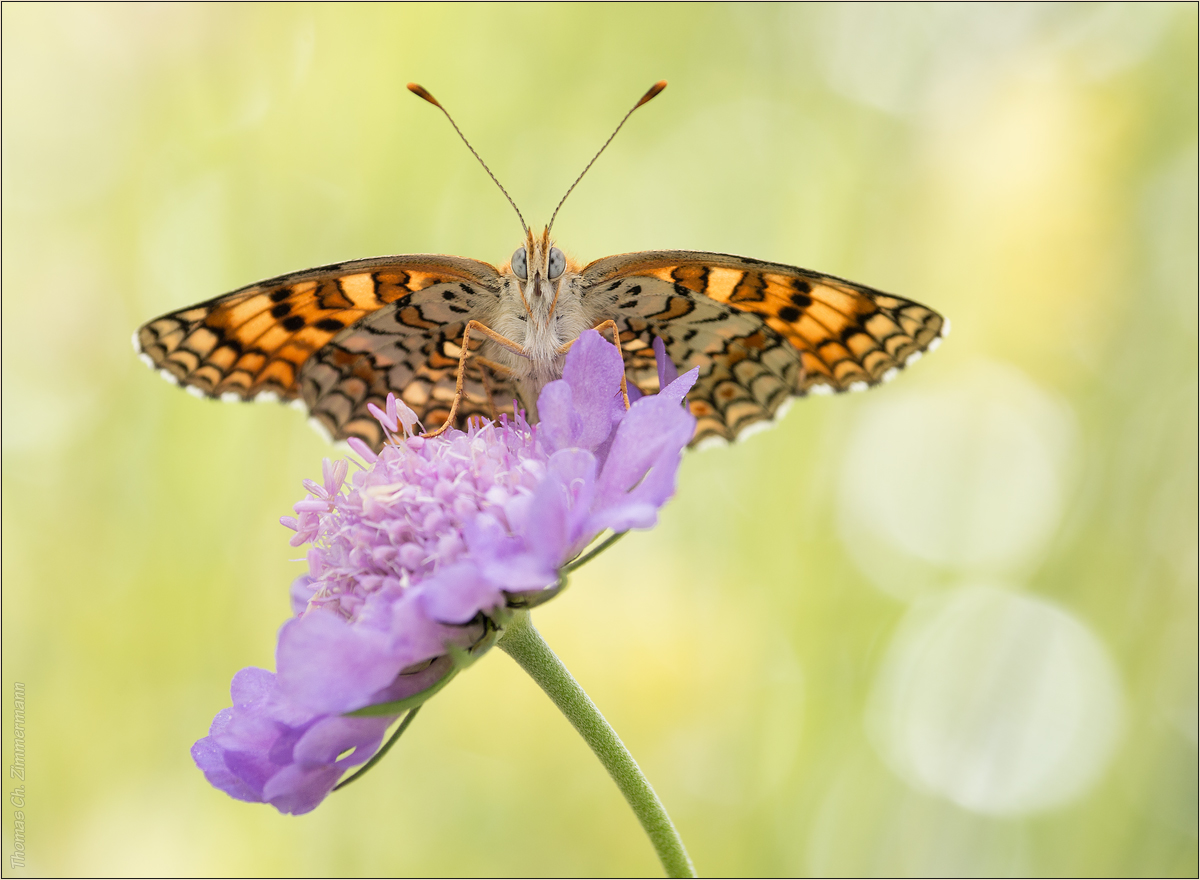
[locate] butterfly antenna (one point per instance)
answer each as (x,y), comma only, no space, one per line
(421,92)
(653,92)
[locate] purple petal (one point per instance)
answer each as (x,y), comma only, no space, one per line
(330,666)
(574,471)
(666,367)
(653,434)
(251,687)
(249,762)
(326,740)
(678,388)
(244,731)
(507,561)
(544,526)
(408,684)
(457,593)
(417,637)
(301,591)
(561,425)
(594,369)
(297,790)
(638,508)
(210,758)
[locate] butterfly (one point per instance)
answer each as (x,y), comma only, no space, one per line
(457,338)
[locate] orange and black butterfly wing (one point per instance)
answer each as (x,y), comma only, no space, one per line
(335,339)
(413,351)
(759,332)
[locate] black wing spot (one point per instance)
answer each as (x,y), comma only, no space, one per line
(801,286)
(614,285)
(803,300)
(281,310)
(330,325)
(789,313)
(635,290)
(449,294)
(627,305)
(466,288)
(280,294)
(295,322)
(398,277)
(459,310)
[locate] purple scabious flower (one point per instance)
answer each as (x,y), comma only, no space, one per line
(419,558)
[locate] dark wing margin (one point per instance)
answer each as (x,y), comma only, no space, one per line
(256,339)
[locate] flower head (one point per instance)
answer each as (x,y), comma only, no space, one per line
(418,558)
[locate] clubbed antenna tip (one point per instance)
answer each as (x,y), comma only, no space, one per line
(649,96)
(421,92)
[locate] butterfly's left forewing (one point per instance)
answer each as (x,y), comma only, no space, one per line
(336,338)
(759,332)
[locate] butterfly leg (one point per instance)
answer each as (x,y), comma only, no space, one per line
(500,368)
(601,327)
(462,368)
(484,364)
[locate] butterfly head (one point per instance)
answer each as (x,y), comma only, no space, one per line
(539,268)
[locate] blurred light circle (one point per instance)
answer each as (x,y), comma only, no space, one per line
(968,477)
(1002,703)
(870,824)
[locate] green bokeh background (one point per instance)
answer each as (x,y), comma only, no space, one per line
(1029,171)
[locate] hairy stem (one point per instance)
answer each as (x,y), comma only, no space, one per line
(525,645)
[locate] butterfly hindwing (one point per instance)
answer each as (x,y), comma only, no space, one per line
(268,338)
(746,370)
(413,351)
(760,332)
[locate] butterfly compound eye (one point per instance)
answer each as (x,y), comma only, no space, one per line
(519,263)
(558,262)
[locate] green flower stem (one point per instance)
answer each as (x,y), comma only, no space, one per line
(525,645)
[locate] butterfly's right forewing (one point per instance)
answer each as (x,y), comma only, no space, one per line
(759,332)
